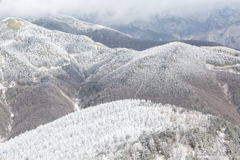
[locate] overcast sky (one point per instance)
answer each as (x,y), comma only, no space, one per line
(108,10)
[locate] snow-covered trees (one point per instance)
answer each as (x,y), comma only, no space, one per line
(128,128)
(50,66)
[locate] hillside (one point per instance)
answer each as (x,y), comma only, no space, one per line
(184,25)
(204,79)
(128,129)
(47,74)
(39,79)
(107,36)
(143,34)
(219,25)
(227,36)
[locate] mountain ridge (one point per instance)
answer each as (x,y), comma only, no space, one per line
(47,74)
(109,37)
(216,26)
(128,129)
(227,36)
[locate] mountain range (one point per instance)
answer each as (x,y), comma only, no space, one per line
(227,36)
(189,24)
(107,36)
(219,26)
(56,65)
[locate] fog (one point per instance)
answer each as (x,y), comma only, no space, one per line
(109,10)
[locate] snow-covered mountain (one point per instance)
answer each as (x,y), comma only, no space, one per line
(39,77)
(196,78)
(128,129)
(227,36)
(47,74)
(109,37)
(144,34)
(189,24)
(219,26)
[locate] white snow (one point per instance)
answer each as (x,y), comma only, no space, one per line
(2,139)
(1,86)
(35,49)
(12,84)
(74,102)
(222,135)
(86,133)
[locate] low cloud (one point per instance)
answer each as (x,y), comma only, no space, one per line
(108,11)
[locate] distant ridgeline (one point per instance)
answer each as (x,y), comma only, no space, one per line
(107,36)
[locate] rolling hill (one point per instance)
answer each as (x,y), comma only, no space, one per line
(128,129)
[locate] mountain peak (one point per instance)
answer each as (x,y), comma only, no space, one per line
(14,23)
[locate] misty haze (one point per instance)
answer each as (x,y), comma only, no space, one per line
(98,79)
